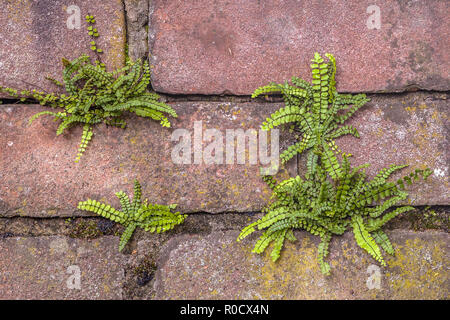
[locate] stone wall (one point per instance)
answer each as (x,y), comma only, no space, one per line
(207,57)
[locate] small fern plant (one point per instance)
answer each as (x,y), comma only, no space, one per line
(318,111)
(332,197)
(327,207)
(94,95)
(135,213)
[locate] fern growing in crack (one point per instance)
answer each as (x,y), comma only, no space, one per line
(94,95)
(317,110)
(135,213)
(327,207)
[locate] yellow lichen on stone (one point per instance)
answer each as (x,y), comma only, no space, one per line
(293,276)
(419,270)
(116,47)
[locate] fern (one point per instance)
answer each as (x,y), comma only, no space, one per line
(317,110)
(326,207)
(332,197)
(150,217)
(94,95)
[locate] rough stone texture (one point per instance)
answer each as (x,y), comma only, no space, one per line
(39,176)
(408,129)
(35,36)
(233,47)
(217,267)
(137,27)
(44,267)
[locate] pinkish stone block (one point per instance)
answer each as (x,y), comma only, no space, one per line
(61,268)
(233,47)
(35,35)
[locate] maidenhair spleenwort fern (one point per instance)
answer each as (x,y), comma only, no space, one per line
(317,110)
(150,217)
(332,197)
(94,95)
(327,207)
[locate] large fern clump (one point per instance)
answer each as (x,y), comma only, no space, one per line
(94,95)
(332,197)
(135,213)
(327,207)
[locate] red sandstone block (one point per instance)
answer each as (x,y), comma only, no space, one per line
(39,177)
(35,35)
(61,268)
(233,47)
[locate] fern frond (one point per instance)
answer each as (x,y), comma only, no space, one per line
(37,115)
(330,162)
(125,202)
(374,224)
(382,239)
(136,196)
(365,240)
(126,235)
(278,245)
(323,252)
(85,138)
(103,210)
(294,149)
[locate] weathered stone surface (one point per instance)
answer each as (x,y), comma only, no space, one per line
(215,47)
(35,35)
(409,129)
(215,266)
(46,268)
(137,27)
(39,176)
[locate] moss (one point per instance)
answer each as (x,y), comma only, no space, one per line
(90,228)
(422,218)
(145,271)
(430,218)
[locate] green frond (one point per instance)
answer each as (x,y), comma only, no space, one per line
(330,162)
(294,149)
(287,115)
(125,202)
(136,196)
(278,245)
(126,235)
(382,239)
(94,95)
(37,115)
(311,163)
(323,252)
(247,231)
(365,240)
(343,131)
(85,138)
(374,224)
(104,210)
(269,89)
(264,241)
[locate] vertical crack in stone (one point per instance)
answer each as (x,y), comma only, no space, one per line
(136,20)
